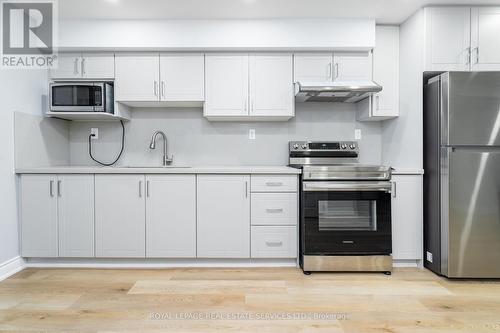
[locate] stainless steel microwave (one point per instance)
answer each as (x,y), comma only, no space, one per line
(81,97)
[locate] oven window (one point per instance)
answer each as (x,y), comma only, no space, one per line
(347,215)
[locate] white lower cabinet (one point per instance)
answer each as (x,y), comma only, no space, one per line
(223,208)
(170,216)
(120,216)
(274,208)
(407,217)
(76,215)
(274,241)
(57,215)
(39,216)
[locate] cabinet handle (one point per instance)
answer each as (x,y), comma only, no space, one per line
(246,189)
(83,66)
(246,102)
(140,188)
(336,70)
(477,54)
(155,88)
(147,188)
(75,69)
(394,189)
(274,184)
(163,88)
(468,50)
(377,102)
(59,191)
(329,70)
(280,243)
(274,210)
(51,188)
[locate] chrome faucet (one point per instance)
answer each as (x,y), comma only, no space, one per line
(166,160)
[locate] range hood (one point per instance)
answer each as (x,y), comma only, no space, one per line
(345,92)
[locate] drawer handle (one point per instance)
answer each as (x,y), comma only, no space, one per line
(274,210)
(280,243)
(274,183)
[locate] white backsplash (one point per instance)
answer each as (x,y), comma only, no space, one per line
(193,140)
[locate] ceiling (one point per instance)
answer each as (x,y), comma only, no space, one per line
(384,11)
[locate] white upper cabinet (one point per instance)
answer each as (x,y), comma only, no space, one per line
(313,67)
(255,87)
(352,66)
(98,65)
(226,83)
(182,77)
(329,67)
(271,85)
(84,66)
(447,41)
(170,216)
(137,77)
(223,213)
(485,40)
(384,104)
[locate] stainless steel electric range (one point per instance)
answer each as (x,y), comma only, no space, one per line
(345,209)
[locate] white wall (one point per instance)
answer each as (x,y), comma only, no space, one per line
(209,35)
(20,90)
(193,140)
(402,137)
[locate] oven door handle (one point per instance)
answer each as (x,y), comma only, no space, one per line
(346,186)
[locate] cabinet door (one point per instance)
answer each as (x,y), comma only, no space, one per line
(137,77)
(68,66)
(171,216)
(271,85)
(312,67)
(120,216)
(386,72)
(407,210)
(485,41)
(38,216)
(98,65)
(182,77)
(76,215)
(223,206)
(226,83)
(352,66)
(447,41)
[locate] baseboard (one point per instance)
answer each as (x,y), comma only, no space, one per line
(11,267)
(407,263)
(157,263)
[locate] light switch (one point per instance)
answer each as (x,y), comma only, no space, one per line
(251,134)
(357,134)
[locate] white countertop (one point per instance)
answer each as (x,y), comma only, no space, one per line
(160,170)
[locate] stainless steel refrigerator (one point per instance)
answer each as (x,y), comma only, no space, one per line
(462,174)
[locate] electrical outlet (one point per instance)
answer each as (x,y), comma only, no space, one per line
(251,134)
(357,134)
(428,256)
(95,133)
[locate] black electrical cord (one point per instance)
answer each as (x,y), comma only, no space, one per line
(119,155)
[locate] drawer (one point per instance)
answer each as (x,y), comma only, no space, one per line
(274,209)
(274,242)
(274,183)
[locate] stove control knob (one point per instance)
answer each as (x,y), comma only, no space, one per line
(352,146)
(343,146)
(304,146)
(295,146)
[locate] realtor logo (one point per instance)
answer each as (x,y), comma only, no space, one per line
(27,33)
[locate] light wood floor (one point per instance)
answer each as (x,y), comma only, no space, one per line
(245,300)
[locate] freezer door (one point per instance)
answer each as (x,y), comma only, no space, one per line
(471,212)
(471,108)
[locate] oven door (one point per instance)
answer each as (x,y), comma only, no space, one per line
(346,218)
(76,97)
